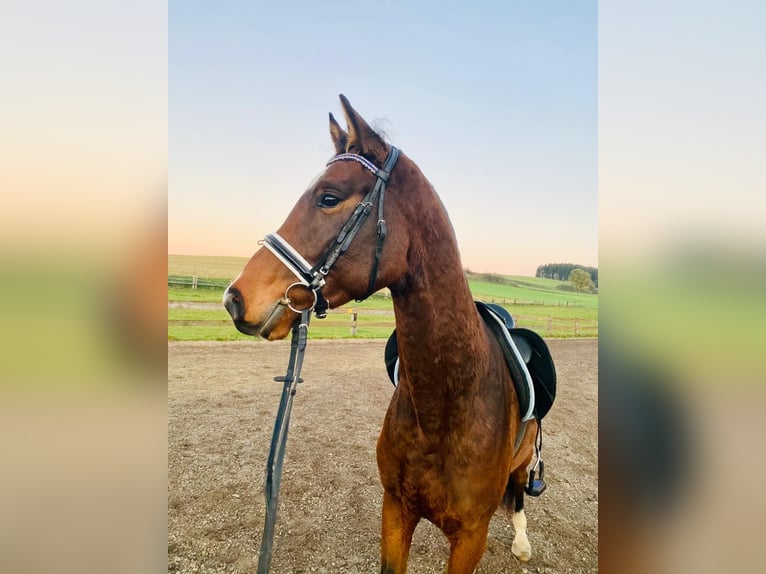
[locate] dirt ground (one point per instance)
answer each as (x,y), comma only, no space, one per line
(221,407)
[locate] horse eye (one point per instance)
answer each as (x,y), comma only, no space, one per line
(328,200)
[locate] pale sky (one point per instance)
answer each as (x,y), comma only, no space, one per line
(496,102)
(682,87)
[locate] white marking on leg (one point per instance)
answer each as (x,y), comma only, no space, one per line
(521,547)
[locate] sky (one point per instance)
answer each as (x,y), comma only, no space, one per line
(496,102)
(681,125)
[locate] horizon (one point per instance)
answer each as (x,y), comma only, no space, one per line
(464,265)
(465,268)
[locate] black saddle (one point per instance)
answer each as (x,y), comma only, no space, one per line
(526,354)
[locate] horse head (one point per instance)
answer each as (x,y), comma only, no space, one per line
(328,251)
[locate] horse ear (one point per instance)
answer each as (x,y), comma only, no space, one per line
(339,137)
(362,139)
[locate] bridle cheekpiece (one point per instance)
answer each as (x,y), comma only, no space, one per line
(312,277)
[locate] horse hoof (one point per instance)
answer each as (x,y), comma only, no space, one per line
(523,553)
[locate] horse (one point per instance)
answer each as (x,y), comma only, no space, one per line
(452,448)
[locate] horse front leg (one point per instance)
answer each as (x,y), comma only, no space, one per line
(396,536)
(466,549)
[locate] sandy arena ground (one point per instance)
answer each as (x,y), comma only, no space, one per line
(221,407)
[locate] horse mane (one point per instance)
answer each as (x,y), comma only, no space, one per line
(381,127)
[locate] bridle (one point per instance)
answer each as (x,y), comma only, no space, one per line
(312,277)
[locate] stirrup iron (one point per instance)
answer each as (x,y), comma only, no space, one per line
(536,486)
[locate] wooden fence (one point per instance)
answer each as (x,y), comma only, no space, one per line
(196,282)
(355,318)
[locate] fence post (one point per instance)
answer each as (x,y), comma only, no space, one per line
(576,329)
(353,321)
(194,281)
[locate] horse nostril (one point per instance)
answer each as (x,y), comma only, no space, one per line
(232,300)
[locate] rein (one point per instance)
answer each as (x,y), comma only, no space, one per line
(279,437)
(313,277)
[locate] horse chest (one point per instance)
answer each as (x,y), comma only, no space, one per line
(438,476)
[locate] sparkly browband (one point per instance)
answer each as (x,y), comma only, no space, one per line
(357,158)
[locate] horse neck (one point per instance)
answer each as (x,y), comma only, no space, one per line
(443,347)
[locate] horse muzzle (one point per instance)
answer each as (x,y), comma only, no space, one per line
(232,300)
(269,328)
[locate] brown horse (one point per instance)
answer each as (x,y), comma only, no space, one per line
(452,447)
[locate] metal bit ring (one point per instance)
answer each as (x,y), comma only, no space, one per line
(289,301)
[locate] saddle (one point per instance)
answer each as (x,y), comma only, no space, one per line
(526,355)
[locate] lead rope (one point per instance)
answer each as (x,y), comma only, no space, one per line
(279,437)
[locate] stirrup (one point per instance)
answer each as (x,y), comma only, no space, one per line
(537,486)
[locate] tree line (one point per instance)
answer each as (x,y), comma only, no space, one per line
(562,271)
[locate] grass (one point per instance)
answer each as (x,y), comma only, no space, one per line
(206,266)
(535,302)
(215,295)
(522,295)
(190,295)
(205,333)
(229,333)
(333,316)
(215,325)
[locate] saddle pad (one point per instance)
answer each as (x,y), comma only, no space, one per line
(537,359)
(522,380)
(540,366)
(537,375)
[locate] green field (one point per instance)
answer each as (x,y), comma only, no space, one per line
(206,266)
(318,330)
(519,295)
(535,303)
